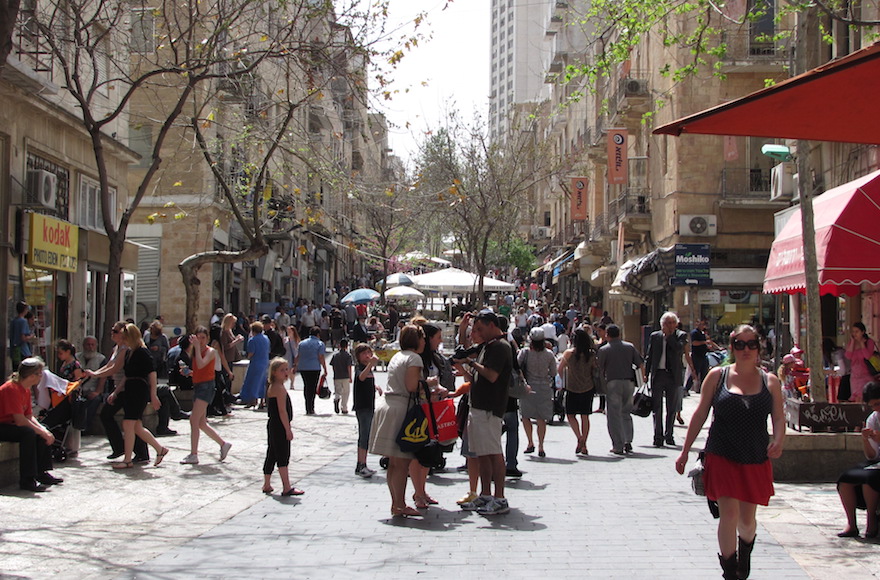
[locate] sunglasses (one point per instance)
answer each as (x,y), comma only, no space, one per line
(742,344)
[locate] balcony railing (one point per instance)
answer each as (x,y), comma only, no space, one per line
(752,45)
(600,227)
(633,202)
(745,183)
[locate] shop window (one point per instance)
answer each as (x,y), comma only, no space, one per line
(39,293)
(89,204)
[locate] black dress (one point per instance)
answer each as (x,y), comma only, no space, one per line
(138,366)
(278,452)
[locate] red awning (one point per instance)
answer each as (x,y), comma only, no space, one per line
(847,242)
(834,102)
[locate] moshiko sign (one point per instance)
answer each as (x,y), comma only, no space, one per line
(54,243)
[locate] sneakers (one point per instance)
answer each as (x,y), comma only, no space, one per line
(628,447)
(495,506)
(513,472)
(364,471)
(190,460)
(471,496)
(475,504)
(224,450)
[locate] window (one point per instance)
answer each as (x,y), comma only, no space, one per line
(547,219)
(90,204)
(143,32)
(140,139)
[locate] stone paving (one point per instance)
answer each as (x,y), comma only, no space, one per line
(602,516)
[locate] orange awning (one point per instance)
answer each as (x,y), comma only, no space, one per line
(835,102)
(847,242)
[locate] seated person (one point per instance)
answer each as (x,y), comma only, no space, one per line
(179,376)
(93,388)
(859,486)
(375,328)
(17,423)
(61,412)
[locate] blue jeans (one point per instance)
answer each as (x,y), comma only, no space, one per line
(511,426)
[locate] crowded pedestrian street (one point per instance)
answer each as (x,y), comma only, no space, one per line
(599,516)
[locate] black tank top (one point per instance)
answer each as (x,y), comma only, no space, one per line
(739,423)
(274,415)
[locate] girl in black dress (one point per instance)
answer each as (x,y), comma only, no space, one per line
(278,428)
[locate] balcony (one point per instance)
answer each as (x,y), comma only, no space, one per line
(633,208)
(755,51)
(746,186)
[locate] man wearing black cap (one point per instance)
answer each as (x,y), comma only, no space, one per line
(489,373)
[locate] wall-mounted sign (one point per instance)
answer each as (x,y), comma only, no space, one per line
(692,265)
(618,156)
(53,243)
(579,187)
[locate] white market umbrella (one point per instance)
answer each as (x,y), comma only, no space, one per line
(398,279)
(455,280)
(404,293)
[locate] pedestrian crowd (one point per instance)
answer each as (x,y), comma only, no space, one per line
(523,369)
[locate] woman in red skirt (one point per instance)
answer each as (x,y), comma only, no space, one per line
(738,474)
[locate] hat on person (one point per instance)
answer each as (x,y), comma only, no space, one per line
(536,334)
(218,311)
(796,351)
(788,359)
(487,316)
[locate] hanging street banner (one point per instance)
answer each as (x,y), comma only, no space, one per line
(53,243)
(618,156)
(579,198)
(692,265)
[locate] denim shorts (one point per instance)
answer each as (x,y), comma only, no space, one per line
(204,391)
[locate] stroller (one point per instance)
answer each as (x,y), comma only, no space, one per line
(66,415)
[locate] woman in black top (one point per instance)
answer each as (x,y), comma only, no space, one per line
(738,474)
(140,389)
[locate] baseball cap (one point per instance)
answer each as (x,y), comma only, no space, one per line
(536,333)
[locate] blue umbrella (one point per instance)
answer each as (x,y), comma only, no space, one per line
(360,296)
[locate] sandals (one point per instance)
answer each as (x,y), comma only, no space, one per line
(292,491)
(160,456)
(405,512)
(122,464)
(268,490)
(530,449)
(424,501)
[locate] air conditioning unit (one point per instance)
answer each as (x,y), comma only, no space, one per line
(698,225)
(43,187)
(542,232)
(635,87)
(783,180)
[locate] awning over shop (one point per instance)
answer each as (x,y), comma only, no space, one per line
(847,242)
(843,89)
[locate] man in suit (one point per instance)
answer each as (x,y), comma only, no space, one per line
(665,372)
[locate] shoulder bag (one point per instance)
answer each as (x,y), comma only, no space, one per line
(642,402)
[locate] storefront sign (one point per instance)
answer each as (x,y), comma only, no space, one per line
(579,198)
(618,156)
(53,243)
(709,296)
(691,265)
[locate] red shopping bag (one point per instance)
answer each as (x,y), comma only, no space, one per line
(447,425)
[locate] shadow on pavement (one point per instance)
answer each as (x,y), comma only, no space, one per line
(436,520)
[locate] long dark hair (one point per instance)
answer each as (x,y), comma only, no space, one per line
(861,327)
(584,347)
(428,355)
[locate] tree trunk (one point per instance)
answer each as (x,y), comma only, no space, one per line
(189,270)
(113,295)
(8,17)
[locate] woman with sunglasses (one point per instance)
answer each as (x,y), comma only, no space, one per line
(738,474)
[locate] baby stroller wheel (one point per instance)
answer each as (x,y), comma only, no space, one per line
(383,463)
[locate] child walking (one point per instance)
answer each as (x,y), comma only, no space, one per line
(365,390)
(278,428)
(341,363)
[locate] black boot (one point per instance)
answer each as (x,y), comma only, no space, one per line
(744,565)
(728,566)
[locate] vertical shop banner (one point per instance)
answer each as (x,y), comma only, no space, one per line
(618,156)
(579,198)
(53,243)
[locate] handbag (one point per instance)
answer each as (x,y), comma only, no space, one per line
(79,406)
(697,474)
(323,390)
(518,388)
(445,426)
(873,363)
(430,454)
(642,401)
(413,434)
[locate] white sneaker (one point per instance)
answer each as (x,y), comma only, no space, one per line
(494,507)
(478,503)
(224,450)
(190,460)
(365,472)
